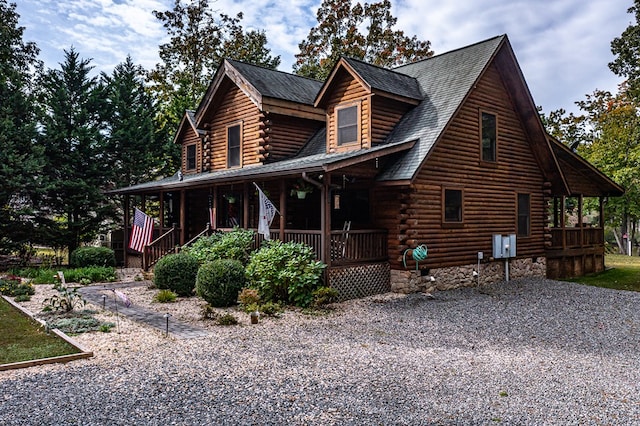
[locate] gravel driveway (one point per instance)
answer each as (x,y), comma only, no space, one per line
(525,352)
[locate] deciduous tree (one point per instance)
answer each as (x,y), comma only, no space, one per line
(626,50)
(199,41)
(360,31)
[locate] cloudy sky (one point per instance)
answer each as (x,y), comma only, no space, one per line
(563,46)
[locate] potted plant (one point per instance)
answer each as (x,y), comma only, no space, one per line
(301,188)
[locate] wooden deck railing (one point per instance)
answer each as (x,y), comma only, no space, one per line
(161,246)
(563,238)
(206,231)
(354,246)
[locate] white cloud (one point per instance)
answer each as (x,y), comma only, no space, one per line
(563,46)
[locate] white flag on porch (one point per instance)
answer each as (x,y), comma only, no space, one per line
(267,213)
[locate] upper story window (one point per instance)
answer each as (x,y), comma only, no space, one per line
(191,157)
(524,215)
(234,146)
(347,124)
(488,137)
(452,212)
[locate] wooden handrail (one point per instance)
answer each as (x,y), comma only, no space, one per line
(206,231)
(161,246)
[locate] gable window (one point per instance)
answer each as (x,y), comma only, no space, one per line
(234,146)
(347,127)
(488,137)
(452,206)
(191,157)
(524,215)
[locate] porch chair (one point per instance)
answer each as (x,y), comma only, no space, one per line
(339,245)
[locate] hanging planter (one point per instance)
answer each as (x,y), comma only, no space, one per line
(301,189)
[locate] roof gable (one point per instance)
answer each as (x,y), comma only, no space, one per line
(258,84)
(446,81)
(374,79)
(188,123)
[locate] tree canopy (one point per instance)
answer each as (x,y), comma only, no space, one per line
(20,156)
(626,50)
(360,31)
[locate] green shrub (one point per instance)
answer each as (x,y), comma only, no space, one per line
(11,285)
(227,319)
(271,309)
(93,274)
(165,296)
(92,256)
(325,295)
(66,300)
(285,272)
(218,282)
(234,245)
(176,272)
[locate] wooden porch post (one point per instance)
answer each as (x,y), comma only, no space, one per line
(161,212)
(245,205)
(580,223)
(601,218)
(125,234)
(555,213)
(283,208)
(215,208)
(183,218)
(325,220)
(562,224)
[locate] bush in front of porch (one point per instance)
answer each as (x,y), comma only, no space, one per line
(285,272)
(176,272)
(234,245)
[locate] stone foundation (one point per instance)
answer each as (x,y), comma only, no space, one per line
(462,276)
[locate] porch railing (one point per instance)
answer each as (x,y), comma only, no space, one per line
(161,246)
(562,238)
(354,246)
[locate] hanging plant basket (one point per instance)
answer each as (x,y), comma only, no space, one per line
(301,195)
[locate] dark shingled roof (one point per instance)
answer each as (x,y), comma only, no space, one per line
(278,84)
(445,81)
(386,80)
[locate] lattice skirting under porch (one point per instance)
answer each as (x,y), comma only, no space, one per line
(353,282)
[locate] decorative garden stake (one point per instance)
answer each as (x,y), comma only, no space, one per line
(166,316)
(104,302)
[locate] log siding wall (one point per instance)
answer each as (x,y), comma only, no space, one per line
(348,91)
(287,135)
(490,190)
(235,108)
(189,137)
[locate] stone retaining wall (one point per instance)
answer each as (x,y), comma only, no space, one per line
(462,276)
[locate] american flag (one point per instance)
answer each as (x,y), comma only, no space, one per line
(212,214)
(267,212)
(141,231)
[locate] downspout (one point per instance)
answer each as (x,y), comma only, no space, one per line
(311,181)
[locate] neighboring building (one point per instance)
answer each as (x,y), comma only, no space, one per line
(445,152)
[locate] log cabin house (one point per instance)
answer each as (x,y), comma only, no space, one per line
(447,152)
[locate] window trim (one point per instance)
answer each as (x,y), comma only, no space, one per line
(195,157)
(518,215)
(480,134)
(448,223)
(228,128)
(337,110)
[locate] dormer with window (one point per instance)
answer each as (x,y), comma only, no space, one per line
(364,103)
(190,139)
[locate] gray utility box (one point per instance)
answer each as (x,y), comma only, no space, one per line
(504,246)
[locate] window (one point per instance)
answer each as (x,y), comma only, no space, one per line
(453,205)
(524,215)
(191,157)
(347,125)
(234,146)
(488,137)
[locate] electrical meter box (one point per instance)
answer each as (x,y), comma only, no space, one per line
(504,246)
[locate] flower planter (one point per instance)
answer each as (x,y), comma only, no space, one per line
(301,194)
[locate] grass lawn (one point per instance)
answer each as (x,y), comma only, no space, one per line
(624,274)
(22,339)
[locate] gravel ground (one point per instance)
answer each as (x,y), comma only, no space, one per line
(525,352)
